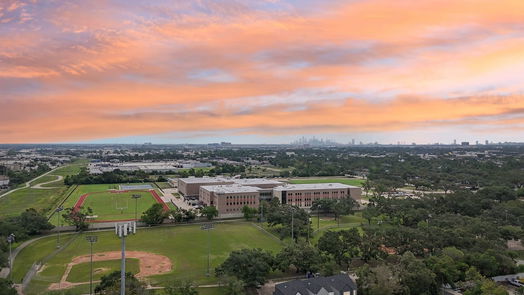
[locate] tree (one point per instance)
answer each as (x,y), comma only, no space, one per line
(209,212)
(233,286)
(378,280)
(181,288)
(416,277)
(110,285)
(6,287)
(78,218)
(343,245)
(252,266)
(33,222)
(302,256)
(249,212)
(154,215)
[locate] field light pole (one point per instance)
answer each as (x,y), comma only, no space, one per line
(122,230)
(91,240)
(57,211)
(136,197)
(208,227)
(292,225)
(10,240)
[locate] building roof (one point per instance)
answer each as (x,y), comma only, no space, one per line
(339,283)
(230,189)
(256,181)
(205,180)
(313,186)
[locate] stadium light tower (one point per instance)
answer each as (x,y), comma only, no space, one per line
(10,240)
(57,211)
(136,197)
(122,230)
(208,227)
(91,240)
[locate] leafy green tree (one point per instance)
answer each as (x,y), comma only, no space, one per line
(343,245)
(209,212)
(379,280)
(233,286)
(249,212)
(33,222)
(252,266)
(6,287)
(110,285)
(154,215)
(301,256)
(416,277)
(78,218)
(181,288)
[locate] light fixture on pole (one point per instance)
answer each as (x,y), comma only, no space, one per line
(136,197)
(208,227)
(122,230)
(91,240)
(10,240)
(57,212)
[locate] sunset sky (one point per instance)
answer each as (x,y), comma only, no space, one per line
(261,71)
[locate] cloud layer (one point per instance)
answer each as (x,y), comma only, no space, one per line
(77,71)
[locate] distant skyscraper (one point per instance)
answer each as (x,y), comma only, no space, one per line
(477,142)
(487,142)
(353,141)
(454,142)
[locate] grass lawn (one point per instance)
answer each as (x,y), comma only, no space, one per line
(185,245)
(118,206)
(348,181)
(43,179)
(40,199)
(80,272)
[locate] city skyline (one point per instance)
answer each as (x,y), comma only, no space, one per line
(261,71)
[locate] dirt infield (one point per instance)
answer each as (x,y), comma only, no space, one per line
(150,264)
(83,197)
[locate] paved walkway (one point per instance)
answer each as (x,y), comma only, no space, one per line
(169,196)
(27,184)
(41,185)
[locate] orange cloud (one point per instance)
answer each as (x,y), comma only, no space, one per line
(107,69)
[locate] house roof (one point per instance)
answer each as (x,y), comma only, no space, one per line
(339,283)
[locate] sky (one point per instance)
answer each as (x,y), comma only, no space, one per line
(261,71)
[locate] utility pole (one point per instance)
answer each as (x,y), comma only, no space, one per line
(91,240)
(208,227)
(10,240)
(136,197)
(122,230)
(57,212)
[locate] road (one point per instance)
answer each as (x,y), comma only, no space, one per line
(28,183)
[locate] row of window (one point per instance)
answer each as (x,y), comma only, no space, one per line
(240,203)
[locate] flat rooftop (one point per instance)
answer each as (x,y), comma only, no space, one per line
(205,180)
(313,186)
(230,189)
(255,181)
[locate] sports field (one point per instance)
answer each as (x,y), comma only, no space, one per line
(348,181)
(106,203)
(117,205)
(186,246)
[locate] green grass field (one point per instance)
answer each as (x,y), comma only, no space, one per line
(186,246)
(80,272)
(118,206)
(348,181)
(39,199)
(44,200)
